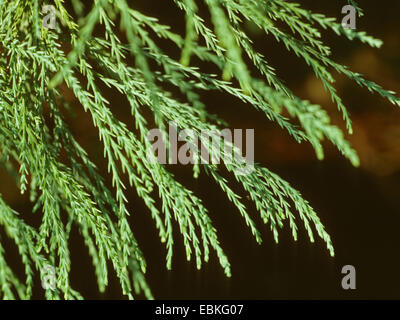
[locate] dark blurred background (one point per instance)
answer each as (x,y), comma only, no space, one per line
(360,207)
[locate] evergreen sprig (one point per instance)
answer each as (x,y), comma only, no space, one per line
(35,61)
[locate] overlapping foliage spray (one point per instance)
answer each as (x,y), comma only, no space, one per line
(33,65)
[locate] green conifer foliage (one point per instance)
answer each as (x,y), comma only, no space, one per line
(35,62)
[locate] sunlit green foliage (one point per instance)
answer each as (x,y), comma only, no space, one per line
(35,61)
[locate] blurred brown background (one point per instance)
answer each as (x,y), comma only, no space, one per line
(360,207)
